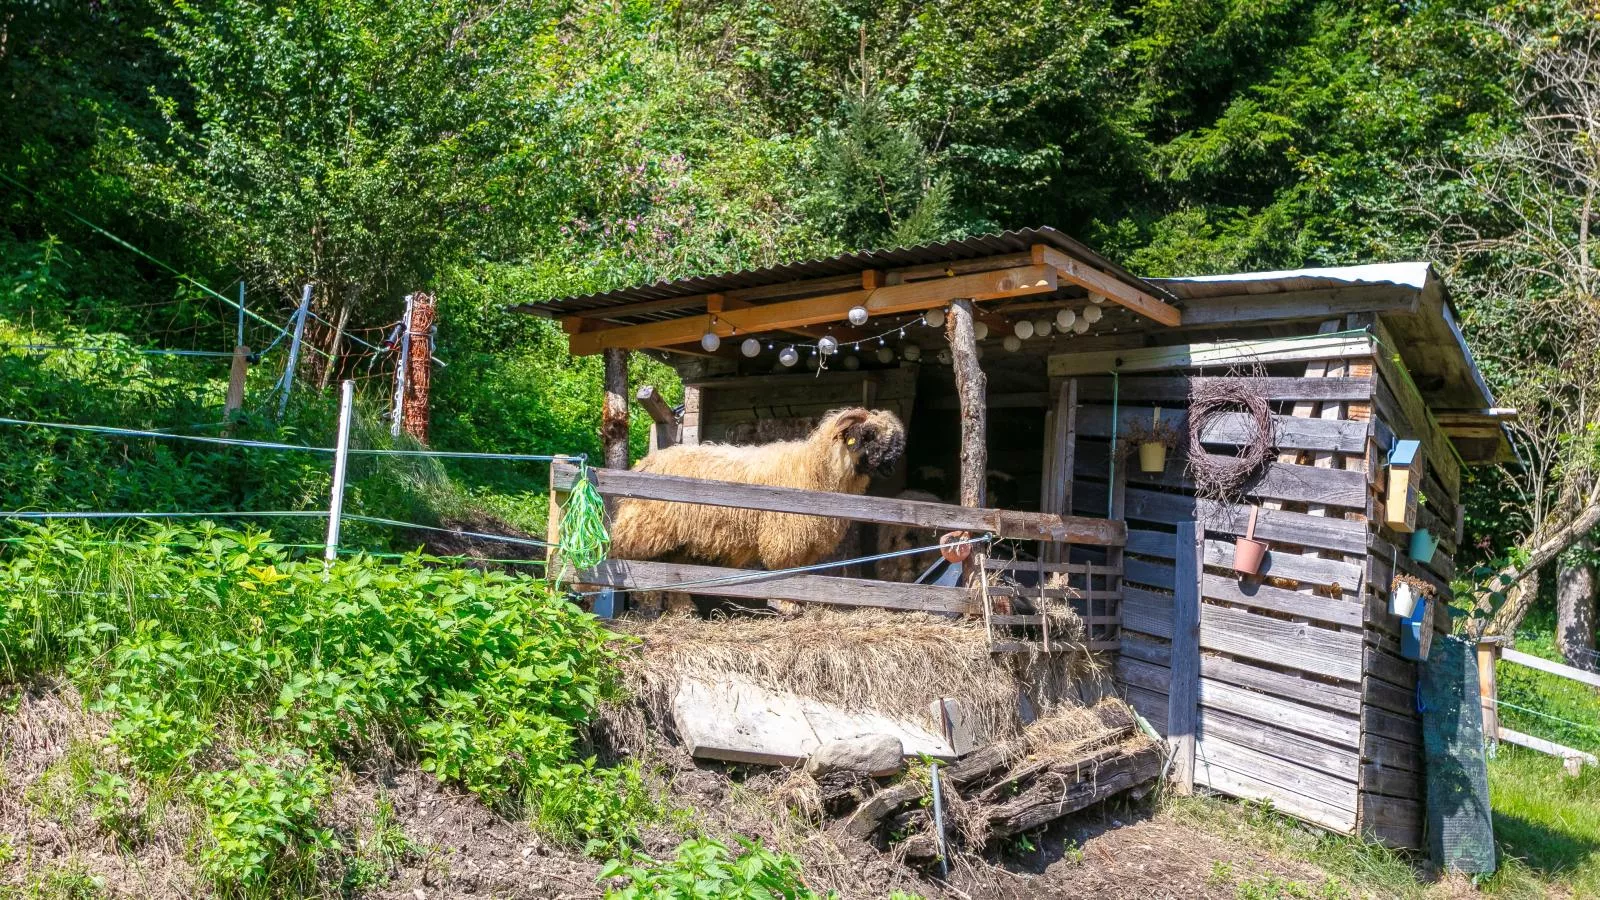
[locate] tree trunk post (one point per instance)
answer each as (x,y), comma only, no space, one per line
(1488,688)
(237,373)
(1575,607)
(419,366)
(614,415)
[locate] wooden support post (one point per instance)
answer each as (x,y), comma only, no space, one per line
(614,416)
(419,367)
(1183,700)
(663,424)
(236,378)
(1488,688)
(552,528)
(694,412)
(972,390)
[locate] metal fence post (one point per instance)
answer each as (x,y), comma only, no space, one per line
(294,348)
(397,416)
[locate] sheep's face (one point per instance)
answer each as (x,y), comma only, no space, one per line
(874,440)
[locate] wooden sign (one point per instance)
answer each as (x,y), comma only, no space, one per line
(1405,480)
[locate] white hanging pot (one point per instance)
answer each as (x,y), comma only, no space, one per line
(1402,600)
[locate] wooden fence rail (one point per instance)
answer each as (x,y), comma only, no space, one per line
(1489,652)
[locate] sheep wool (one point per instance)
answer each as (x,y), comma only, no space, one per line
(842,454)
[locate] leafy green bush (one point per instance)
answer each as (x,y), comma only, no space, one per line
(185,634)
(703,869)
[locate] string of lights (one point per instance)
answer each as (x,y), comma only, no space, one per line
(1064,320)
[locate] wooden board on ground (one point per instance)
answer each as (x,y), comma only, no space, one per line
(758,585)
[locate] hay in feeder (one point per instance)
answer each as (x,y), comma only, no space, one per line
(893,663)
(1216,476)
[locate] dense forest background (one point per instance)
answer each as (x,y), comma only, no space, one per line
(499,152)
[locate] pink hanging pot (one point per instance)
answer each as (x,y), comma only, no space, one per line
(1249,553)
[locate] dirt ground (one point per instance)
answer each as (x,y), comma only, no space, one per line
(466,850)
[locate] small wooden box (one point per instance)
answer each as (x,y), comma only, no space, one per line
(1405,480)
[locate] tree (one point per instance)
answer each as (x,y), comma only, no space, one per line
(1575,606)
(1513,215)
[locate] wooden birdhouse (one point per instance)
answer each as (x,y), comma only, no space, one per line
(1405,479)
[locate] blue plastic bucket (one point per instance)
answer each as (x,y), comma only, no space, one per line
(1415,632)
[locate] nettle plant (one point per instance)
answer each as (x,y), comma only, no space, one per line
(186,635)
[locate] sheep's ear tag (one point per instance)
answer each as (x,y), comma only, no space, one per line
(851,442)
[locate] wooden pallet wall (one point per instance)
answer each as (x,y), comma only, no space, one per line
(1283,662)
(760,408)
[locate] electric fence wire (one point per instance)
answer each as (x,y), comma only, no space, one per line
(303,448)
(145,351)
(760,574)
(1544,715)
(287,514)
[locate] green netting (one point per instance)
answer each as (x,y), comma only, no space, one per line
(1460,828)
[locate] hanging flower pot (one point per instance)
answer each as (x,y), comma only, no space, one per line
(1153,441)
(1152,456)
(1423,543)
(1249,553)
(1405,592)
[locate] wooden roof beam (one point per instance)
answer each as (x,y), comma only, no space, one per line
(888,300)
(1097,282)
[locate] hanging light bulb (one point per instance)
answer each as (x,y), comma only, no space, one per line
(828,345)
(885,355)
(933,318)
(1096,299)
(710,342)
(1041,327)
(1012,343)
(769,345)
(1080,326)
(902,331)
(1093,314)
(1023,329)
(750,347)
(1065,318)
(788,356)
(858,315)
(980,330)
(912,352)
(852,362)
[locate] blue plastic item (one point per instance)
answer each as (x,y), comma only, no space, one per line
(1423,543)
(1415,632)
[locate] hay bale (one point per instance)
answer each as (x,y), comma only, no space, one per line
(892,663)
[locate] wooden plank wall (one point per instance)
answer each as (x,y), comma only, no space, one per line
(1283,656)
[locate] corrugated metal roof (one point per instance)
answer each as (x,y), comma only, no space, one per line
(1406,274)
(844,264)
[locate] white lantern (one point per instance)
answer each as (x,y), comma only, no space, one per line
(1096,299)
(1082,325)
(828,344)
(934,318)
(710,342)
(750,347)
(852,363)
(912,352)
(1023,329)
(858,315)
(1065,318)
(980,330)
(1041,327)
(1093,314)
(788,356)
(885,355)
(1012,343)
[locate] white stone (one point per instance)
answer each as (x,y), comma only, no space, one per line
(873,754)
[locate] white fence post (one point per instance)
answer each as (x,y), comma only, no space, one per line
(341,459)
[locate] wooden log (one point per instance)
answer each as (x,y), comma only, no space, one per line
(419,366)
(614,415)
(1069,790)
(663,424)
(236,379)
(1183,699)
(882,510)
(757,585)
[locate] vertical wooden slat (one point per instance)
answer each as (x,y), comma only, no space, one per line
(1488,688)
(1183,699)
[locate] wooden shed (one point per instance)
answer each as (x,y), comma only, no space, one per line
(1021,362)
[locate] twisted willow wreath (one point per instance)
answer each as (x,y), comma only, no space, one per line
(1221,477)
